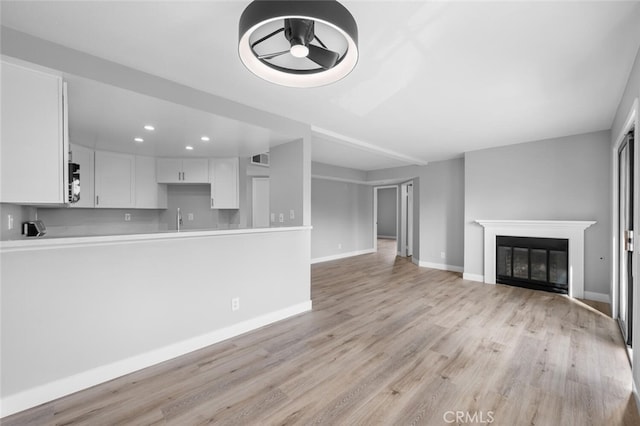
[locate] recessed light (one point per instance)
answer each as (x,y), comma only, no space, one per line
(138,139)
(205,139)
(149,127)
(188,148)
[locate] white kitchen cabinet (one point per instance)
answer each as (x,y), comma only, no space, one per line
(115,180)
(34,144)
(224,177)
(149,194)
(182,170)
(84,157)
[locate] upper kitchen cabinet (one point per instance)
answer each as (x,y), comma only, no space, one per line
(34,144)
(84,157)
(182,170)
(115,180)
(223,173)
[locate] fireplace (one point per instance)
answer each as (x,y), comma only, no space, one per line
(535,263)
(571,230)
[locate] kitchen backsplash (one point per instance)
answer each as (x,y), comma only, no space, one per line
(193,201)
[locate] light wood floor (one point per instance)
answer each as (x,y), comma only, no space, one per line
(387,343)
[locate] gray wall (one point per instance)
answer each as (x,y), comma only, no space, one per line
(286,182)
(196,199)
(442,212)
(557,179)
(342,214)
(388,212)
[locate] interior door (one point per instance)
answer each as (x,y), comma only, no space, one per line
(625,236)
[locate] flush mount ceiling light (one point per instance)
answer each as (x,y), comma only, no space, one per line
(298,43)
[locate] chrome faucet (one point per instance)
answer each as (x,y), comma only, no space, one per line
(178,219)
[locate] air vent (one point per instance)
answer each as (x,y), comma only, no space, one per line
(261,159)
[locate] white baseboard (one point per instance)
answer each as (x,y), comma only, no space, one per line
(598,297)
(59,388)
(473,277)
(441,266)
(342,255)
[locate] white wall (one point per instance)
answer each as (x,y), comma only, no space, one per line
(388,212)
(75,315)
(342,218)
(557,179)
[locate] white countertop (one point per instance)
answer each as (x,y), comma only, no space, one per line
(49,243)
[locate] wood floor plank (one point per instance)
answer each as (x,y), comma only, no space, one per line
(387,343)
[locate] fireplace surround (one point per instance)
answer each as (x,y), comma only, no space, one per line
(573,231)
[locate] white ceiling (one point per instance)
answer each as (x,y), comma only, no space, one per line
(109,118)
(434,79)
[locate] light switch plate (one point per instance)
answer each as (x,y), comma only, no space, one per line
(281,217)
(273,217)
(190,216)
(291,214)
(127,217)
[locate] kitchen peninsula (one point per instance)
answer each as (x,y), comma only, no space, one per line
(80,311)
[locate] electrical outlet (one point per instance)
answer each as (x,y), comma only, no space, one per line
(273,217)
(443,255)
(235,304)
(291,214)
(190,216)
(339,246)
(9,221)
(281,218)
(127,217)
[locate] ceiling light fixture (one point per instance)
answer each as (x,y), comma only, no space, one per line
(149,127)
(188,148)
(138,140)
(299,56)
(205,139)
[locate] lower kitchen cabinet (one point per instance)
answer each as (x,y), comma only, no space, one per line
(115,180)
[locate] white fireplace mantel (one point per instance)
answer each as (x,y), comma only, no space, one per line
(573,230)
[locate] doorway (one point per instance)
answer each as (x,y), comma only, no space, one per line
(386,213)
(625,281)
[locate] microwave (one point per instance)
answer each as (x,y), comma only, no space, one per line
(74,183)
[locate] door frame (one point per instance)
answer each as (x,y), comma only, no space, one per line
(405,238)
(631,122)
(375,212)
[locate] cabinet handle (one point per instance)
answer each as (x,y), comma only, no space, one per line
(179,176)
(211,201)
(183,176)
(97,200)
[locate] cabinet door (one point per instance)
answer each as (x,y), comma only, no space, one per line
(115,179)
(195,170)
(34,149)
(169,170)
(84,157)
(224,183)
(149,194)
